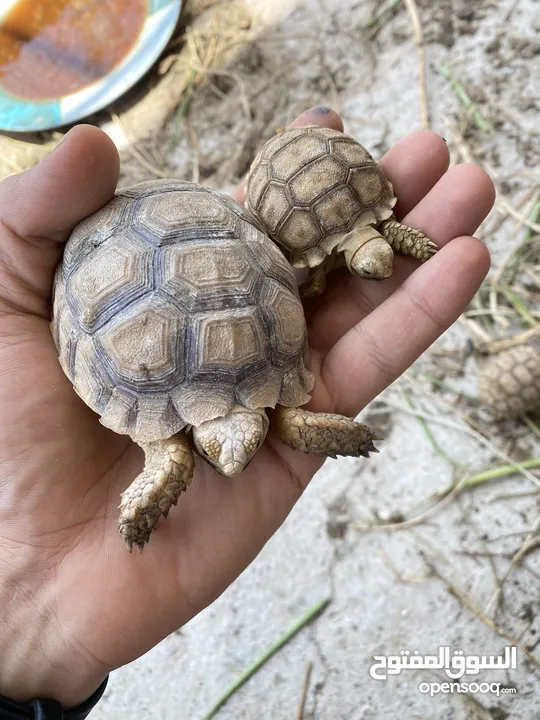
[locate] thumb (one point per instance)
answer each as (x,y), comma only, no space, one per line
(40,207)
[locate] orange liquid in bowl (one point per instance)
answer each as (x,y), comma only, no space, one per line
(53,48)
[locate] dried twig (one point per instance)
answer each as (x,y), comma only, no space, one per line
(469,431)
(466,601)
(496,346)
(421,49)
(477,331)
(503,205)
(412,580)
(136,153)
(514,496)
(305,688)
(17,169)
(530,540)
(448,494)
(419,519)
(246,107)
(497,221)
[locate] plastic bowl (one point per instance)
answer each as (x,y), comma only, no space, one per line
(23,115)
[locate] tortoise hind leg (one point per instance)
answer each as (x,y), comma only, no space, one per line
(315,284)
(323,434)
(168,471)
(406,240)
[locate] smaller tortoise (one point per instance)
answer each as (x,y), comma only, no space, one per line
(179,322)
(326,202)
(509,382)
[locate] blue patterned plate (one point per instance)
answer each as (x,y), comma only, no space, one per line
(23,115)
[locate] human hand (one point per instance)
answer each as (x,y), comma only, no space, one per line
(75,604)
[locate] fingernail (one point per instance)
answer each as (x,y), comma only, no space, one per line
(321,110)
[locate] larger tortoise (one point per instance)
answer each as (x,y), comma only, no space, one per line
(178,321)
(322,197)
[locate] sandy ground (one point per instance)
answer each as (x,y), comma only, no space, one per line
(417,585)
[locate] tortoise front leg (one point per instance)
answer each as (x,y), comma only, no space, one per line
(315,283)
(323,434)
(167,473)
(406,240)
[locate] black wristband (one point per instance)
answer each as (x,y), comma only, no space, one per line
(49,709)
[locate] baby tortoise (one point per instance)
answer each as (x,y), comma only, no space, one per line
(179,322)
(322,197)
(509,382)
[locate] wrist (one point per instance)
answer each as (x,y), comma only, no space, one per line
(38,658)
(29,670)
(47,708)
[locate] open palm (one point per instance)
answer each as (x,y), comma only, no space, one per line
(75,604)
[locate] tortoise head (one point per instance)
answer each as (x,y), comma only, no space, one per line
(367,254)
(229,443)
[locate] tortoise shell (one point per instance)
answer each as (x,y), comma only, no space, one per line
(171,306)
(509,382)
(309,186)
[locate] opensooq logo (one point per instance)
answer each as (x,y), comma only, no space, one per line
(455,664)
